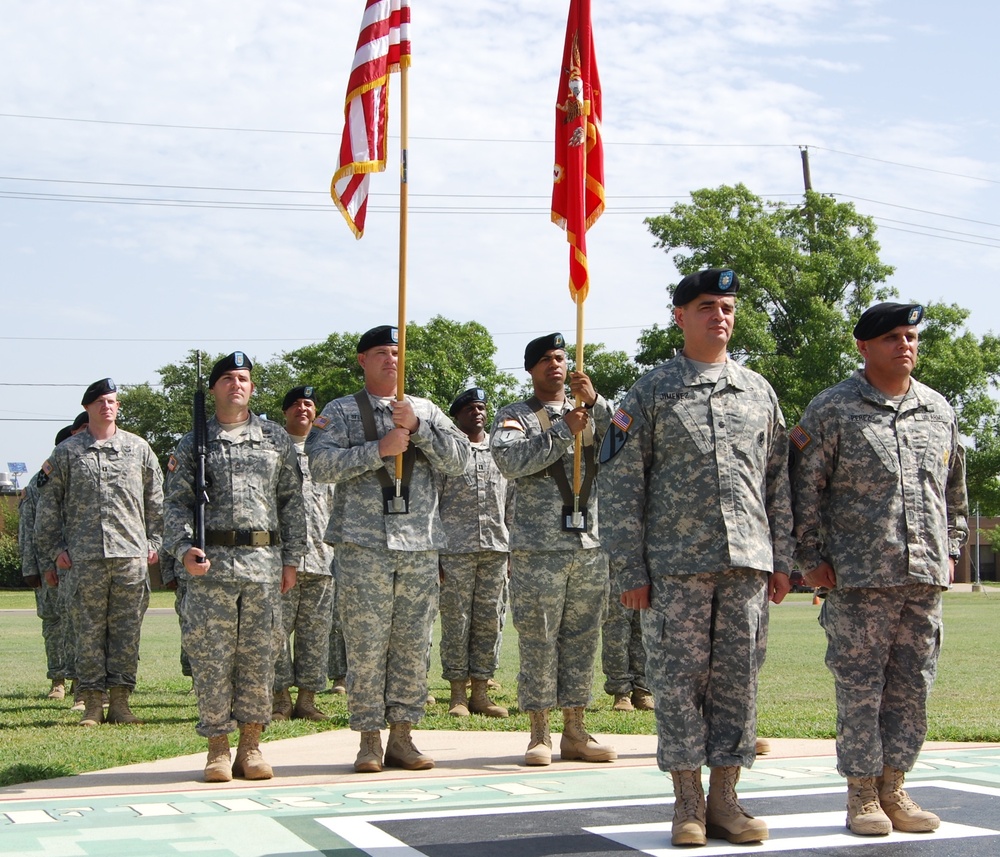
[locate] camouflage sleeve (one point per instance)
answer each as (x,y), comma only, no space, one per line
(601,412)
(153,500)
(516,453)
(623,496)
(956,498)
(814,449)
(48,532)
(291,507)
(444,446)
(26,535)
(332,458)
(779,496)
(178,501)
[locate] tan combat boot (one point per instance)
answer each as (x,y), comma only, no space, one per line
(762,747)
(459,704)
(369,759)
(249,762)
(305,707)
(93,711)
(118,710)
(902,810)
(540,746)
(577,743)
(281,708)
(77,694)
(623,702)
(688,826)
(58,689)
(725,818)
(219,767)
(864,813)
(400,751)
(339,684)
(642,699)
(482,704)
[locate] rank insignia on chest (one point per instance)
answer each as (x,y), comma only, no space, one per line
(800,437)
(321,422)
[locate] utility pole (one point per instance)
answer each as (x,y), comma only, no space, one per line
(807,183)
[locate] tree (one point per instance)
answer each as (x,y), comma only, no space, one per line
(612,372)
(805,273)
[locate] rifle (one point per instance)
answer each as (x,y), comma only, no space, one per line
(200,454)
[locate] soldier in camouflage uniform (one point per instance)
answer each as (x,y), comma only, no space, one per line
(476,511)
(623,657)
(175,579)
(48,605)
(386,544)
(255,534)
(559,573)
(697,520)
(878,479)
(306,609)
(337,669)
(99,517)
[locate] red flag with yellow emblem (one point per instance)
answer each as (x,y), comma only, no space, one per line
(578,190)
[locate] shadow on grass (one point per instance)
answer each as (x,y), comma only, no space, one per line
(15,774)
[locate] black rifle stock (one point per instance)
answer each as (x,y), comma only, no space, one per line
(200,454)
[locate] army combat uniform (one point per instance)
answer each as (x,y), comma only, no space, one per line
(307,608)
(102,502)
(879,494)
(255,524)
(696,504)
(476,510)
(559,578)
(386,564)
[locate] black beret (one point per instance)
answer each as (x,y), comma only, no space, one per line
(98,389)
(713,281)
(384,334)
(296,393)
(236,360)
(82,419)
(535,350)
(473,394)
(64,433)
(884,317)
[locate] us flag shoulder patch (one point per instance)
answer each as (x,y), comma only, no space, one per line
(511,424)
(47,468)
(800,437)
(622,420)
(321,422)
(171,464)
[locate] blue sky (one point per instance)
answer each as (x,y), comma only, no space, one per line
(234,109)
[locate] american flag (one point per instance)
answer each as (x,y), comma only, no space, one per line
(383,47)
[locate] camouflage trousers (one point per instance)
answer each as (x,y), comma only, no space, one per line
(304,650)
(558,600)
(623,657)
(178,606)
(229,629)
(388,600)
(337,667)
(882,648)
(702,634)
(67,637)
(472,613)
(108,599)
(50,609)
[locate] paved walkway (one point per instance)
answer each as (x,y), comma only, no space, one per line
(479,801)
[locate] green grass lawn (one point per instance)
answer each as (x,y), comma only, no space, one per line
(39,738)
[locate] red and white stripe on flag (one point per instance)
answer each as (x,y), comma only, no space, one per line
(383,47)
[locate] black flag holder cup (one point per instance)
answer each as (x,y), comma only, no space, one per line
(574,518)
(396,499)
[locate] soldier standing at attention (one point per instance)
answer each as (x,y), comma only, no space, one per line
(48,604)
(386,544)
(307,608)
(255,535)
(878,481)
(559,574)
(698,523)
(476,509)
(99,517)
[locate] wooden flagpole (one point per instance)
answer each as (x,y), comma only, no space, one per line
(578,440)
(404,136)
